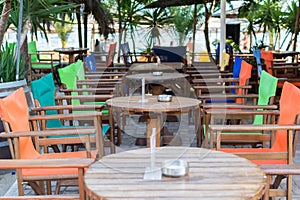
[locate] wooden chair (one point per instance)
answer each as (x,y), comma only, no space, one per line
(41,62)
(281,69)
(250,112)
(225,61)
(50,164)
(69,76)
(283,147)
(257,56)
(91,69)
(223,92)
(130,57)
(44,92)
(26,144)
(109,66)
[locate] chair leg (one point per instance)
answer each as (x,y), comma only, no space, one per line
(289,186)
(48,185)
(57,188)
(277,181)
(38,187)
(269,181)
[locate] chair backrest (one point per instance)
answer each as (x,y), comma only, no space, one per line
(32,49)
(43,91)
(266,89)
(126,51)
(257,56)
(204,57)
(236,67)
(267,56)
(170,54)
(90,62)
(244,76)
(14,110)
(111,54)
(289,109)
(69,76)
(225,61)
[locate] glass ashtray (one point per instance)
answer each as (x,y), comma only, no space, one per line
(164,98)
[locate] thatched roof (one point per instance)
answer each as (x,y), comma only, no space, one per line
(169,3)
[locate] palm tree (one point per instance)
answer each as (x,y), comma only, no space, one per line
(249,11)
(128,14)
(4,18)
(183,23)
(209,8)
(289,23)
(101,15)
(155,19)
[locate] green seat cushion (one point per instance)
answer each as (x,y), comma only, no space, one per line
(41,66)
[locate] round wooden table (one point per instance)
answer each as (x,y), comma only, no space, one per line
(154,110)
(71,51)
(213,175)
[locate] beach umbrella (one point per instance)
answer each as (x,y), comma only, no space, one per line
(170,3)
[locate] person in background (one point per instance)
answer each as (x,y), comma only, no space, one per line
(189,47)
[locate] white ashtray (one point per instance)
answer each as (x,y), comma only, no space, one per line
(157,73)
(175,168)
(164,98)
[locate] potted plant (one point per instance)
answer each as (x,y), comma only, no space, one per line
(8,64)
(8,83)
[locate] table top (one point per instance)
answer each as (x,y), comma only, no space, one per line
(134,103)
(212,175)
(71,50)
(150,77)
(154,67)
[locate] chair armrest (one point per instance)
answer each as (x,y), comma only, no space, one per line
(93,98)
(218,129)
(252,128)
(45,133)
(279,169)
(238,106)
(68,107)
(227,96)
(45,163)
(92,90)
(211,87)
(216,80)
(99,80)
(65,116)
(241,112)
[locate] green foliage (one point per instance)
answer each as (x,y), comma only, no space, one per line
(37,12)
(8,64)
(63,30)
(183,23)
(154,20)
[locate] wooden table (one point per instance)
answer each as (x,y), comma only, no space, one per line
(175,81)
(154,110)
(71,51)
(150,67)
(213,175)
